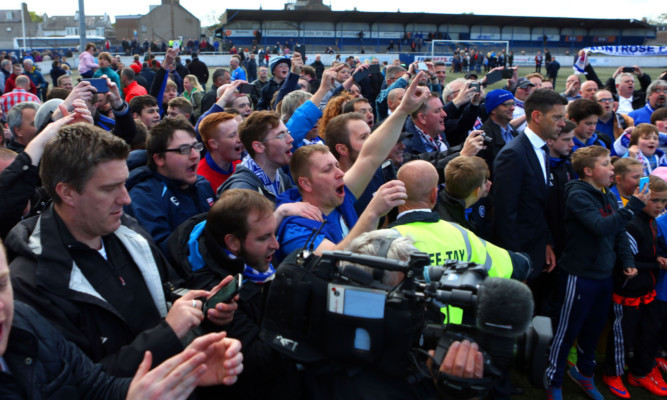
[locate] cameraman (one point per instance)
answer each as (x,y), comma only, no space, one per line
(463,359)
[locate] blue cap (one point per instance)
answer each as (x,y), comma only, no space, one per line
(495,98)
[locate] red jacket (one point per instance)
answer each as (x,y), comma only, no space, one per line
(10,84)
(132,90)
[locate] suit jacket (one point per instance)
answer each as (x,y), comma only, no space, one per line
(520,197)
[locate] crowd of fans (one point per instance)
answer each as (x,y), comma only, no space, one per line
(123,210)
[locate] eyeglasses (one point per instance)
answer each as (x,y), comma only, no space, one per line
(185,149)
(605,100)
(281,136)
(509,104)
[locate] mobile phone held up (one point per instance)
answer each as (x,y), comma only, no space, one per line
(98,83)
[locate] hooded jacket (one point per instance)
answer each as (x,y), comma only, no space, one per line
(196,253)
(595,231)
(160,205)
(243,178)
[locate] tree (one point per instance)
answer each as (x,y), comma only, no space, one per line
(34,17)
(658,20)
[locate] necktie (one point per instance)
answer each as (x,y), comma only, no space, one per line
(547,168)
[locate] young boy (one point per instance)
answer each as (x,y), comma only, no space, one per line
(631,298)
(585,113)
(644,141)
(467,181)
(595,236)
(561,172)
(627,172)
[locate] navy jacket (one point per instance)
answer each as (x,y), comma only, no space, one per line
(642,235)
(520,199)
(160,205)
(57,368)
(595,231)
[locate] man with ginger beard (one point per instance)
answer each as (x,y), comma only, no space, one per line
(322,183)
(167,191)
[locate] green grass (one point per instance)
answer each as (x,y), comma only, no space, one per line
(563,73)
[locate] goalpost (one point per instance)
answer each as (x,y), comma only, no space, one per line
(443,50)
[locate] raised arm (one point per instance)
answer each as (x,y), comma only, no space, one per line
(376,149)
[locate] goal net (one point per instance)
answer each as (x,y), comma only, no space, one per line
(470,54)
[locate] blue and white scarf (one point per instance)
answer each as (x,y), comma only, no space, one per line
(273,187)
(252,274)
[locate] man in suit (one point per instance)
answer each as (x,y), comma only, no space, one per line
(520,191)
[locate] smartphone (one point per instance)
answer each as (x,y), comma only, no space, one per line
(246,88)
(176,45)
(98,83)
(493,77)
(507,73)
(629,69)
(475,85)
(224,295)
(374,68)
(642,183)
(361,75)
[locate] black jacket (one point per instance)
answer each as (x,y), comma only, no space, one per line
(642,234)
(266,95)
(638,96)
(149,75)
(595,231)
(261,363)
(319,68)
(453,210)
(20,183)
(199,69)
(182,70)
(44,365)
(209,99)
(461,121)
(45,276)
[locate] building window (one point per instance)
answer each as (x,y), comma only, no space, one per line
(99,31)
(10,15)
(71,31)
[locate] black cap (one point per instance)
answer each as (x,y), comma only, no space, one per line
(404,135)
(524,83)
